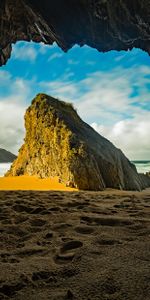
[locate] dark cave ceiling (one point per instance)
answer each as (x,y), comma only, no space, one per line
(102,24)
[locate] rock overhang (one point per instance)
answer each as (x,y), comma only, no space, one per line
(102,24)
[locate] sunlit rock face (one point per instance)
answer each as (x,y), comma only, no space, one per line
(58,143)
(102,24)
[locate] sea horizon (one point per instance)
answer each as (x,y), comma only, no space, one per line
(142,166)
(4,167)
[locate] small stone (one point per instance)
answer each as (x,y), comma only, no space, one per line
(49,235)
(69,294)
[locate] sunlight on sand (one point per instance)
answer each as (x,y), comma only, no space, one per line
(32,183)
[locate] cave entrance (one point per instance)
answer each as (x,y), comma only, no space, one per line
(110,92)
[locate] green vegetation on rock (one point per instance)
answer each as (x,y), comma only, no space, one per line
(59,143)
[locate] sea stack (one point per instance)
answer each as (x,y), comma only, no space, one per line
(58,143)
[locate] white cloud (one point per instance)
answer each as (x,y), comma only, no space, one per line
(73,62)
(43,48)
(12,109)
(24,52)
(55,55)
(4,77)
(60,89)
(11,125)
(104,94)
(112,101)
(131,135)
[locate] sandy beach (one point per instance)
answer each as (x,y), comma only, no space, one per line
(32,183)
(61,245)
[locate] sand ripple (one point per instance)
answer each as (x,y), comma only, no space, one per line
(74,245)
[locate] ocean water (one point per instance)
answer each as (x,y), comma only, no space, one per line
(4,168)
(142,167)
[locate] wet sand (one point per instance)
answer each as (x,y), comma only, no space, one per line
(75,245)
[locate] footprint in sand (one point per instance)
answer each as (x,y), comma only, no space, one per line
(20,219)
(22,208)
(28,252)
(54,209)
(108,242)
(47,239)
(10,260)
(37,222)
(16,231)
(103,221)
(38,210)
(67,252)
(84,229)
(9,290)
(43,275)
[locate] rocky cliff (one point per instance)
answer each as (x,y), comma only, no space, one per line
(102,24)
(6,156)
(59,143)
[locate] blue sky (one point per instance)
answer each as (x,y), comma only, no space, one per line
(111,92)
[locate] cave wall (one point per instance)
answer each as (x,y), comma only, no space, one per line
(102,24)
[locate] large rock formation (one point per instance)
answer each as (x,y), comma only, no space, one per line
(59,143)
(102,24)
(6,156)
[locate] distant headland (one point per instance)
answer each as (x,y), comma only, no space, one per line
(6,156)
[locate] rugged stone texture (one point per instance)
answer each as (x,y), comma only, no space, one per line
(59,143)
(102,24)
(6,156)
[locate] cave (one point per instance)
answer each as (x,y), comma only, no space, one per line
(102,24)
